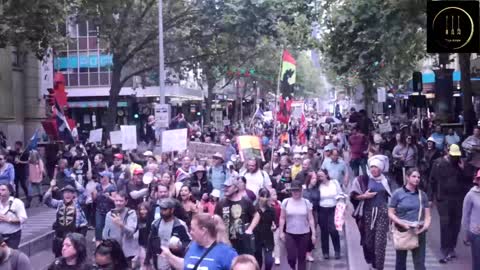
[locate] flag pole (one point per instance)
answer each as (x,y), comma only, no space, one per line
(277,93)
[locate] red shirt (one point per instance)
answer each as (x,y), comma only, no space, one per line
(358,145)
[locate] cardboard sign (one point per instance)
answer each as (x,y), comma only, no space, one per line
(226,122)
(381,94)
(250,147)
(205,150)
(162,115)
(385,127)
(116,137)
(95,135)
(129,137)
(174,140)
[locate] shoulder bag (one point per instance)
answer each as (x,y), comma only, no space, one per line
(408,239)
(204,255)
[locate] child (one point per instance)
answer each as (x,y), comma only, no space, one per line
(276,205)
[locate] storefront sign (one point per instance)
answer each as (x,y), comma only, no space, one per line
(205,150)
(174,140)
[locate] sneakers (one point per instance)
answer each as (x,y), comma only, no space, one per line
(310,258)
(337,256)
(277,261)
(326,256)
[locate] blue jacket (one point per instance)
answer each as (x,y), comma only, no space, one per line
(8,175)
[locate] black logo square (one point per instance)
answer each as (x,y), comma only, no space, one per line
(453,27)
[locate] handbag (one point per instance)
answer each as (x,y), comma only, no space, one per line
(408,239)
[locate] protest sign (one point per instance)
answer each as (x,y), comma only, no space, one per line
(174,140)
(95,135)
(385,127)
(250,147)
(129,137)
(205,150)
(116,137)
(226,122)
(268,116)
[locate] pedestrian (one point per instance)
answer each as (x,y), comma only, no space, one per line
(205,251)
(439,138)
(304,173)
(256,178)
(409,210)
(190,205)
(370,195)
(184,171)
(311,192)
(218,172)
(264,242)
(121,225)
(297,165)
(405,155)
(447,187)
(278,244)
(103,198)
(166,231)
(239,216)
(109,255)
(329,190)
(12,259)
(199,183)
(21,167)
(7,172)
(12,216)
(136,190)
(337,168)
(297,227)
(74,254)
(471,221)
(36,172)
(69,215)
(358,146)
(99,166)
(62,177)
(245,262)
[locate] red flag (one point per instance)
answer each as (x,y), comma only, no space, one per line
(284,111)
(302,136)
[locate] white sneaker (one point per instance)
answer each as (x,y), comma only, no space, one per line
(277,261)
(310,258)
(94,240)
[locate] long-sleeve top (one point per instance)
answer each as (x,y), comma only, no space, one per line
(471,211)
(7,175)
(358,145)
(80,218)
(408,154)
(124,236)
(447,181)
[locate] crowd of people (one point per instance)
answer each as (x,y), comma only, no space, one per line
(180,211)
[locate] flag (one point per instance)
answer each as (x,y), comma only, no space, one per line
(64,131)
(288,68)
(32,145)
(302,135)
(285,108)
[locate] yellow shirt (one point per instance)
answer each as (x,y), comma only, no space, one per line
(295,170)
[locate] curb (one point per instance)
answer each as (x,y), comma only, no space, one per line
(37,244)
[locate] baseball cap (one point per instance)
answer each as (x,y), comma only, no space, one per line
(232,181)
(138,171)
(454,151)
(118,156)
(215,193)
(167,203)
(69,188)
(106,173)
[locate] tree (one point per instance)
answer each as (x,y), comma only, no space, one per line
(32,23)
(466,85)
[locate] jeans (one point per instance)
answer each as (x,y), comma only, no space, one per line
(418,255)
(297,245)
(356,164)
(326,220)
(260,254)
(450,212)
(36,188)
(99,225)
(475,246)
(21,181)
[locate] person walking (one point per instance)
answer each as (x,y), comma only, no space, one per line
(471,221)
(297,227)
(358,147)
(409,210)
(311,192)
(74,254)
(13,259)
(369,196)
(36,171)
(12,216)
(264,242)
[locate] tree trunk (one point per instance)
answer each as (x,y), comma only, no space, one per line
(466,86)
(367,96)
(208,101)
(116,86)
(238,102)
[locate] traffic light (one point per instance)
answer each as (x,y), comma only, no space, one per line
(135,116)
(417,83)
(199,113)
(50,98)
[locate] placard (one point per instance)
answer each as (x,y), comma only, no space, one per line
(174,140)
(268,116)
(116,137)
(162,115)
(95,135)
(385,127)
(297,109)
(205,150)
(129,137)
(226,122)
(381,94)
(250,147)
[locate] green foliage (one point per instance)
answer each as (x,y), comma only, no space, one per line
(309,82)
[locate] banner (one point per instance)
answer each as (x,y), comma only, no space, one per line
(129,137)
(205,150)
(385,127)
(116,137)
(174,140)
(250,147)
(95,135)
(297,109)
(381,94)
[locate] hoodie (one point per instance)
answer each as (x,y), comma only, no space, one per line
(124,236)
(471,211)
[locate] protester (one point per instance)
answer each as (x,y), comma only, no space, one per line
(256,178)
(410,211)
(103,198)
(311,192)
(12,216)
(109,255)
(7,172)
(245,262)
(74,254)
(297,227)
(21,169)
(358,146)
(12,259)
(264,231)
(471,221)
(36,172)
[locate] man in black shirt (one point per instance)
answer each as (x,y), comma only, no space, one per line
(21,166)
(240,217)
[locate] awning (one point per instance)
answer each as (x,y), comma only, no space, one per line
(94,104)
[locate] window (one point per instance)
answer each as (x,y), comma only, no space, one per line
(16,61)
(82,29)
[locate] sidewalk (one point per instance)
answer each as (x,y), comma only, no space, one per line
(37,231)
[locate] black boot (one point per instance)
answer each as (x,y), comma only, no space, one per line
(28,202)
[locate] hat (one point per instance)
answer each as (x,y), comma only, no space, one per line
(138,171)
(118,156)
(379,161)
(227,141)
(327,137)
(454,151)
(431,139)
(296,185)
(215,193)
(286,145)
(148,154)
(106,173)
(328,147)
(167,203)
(218,155)
(296,156)
(69,188)
(200,168)
(232,181)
